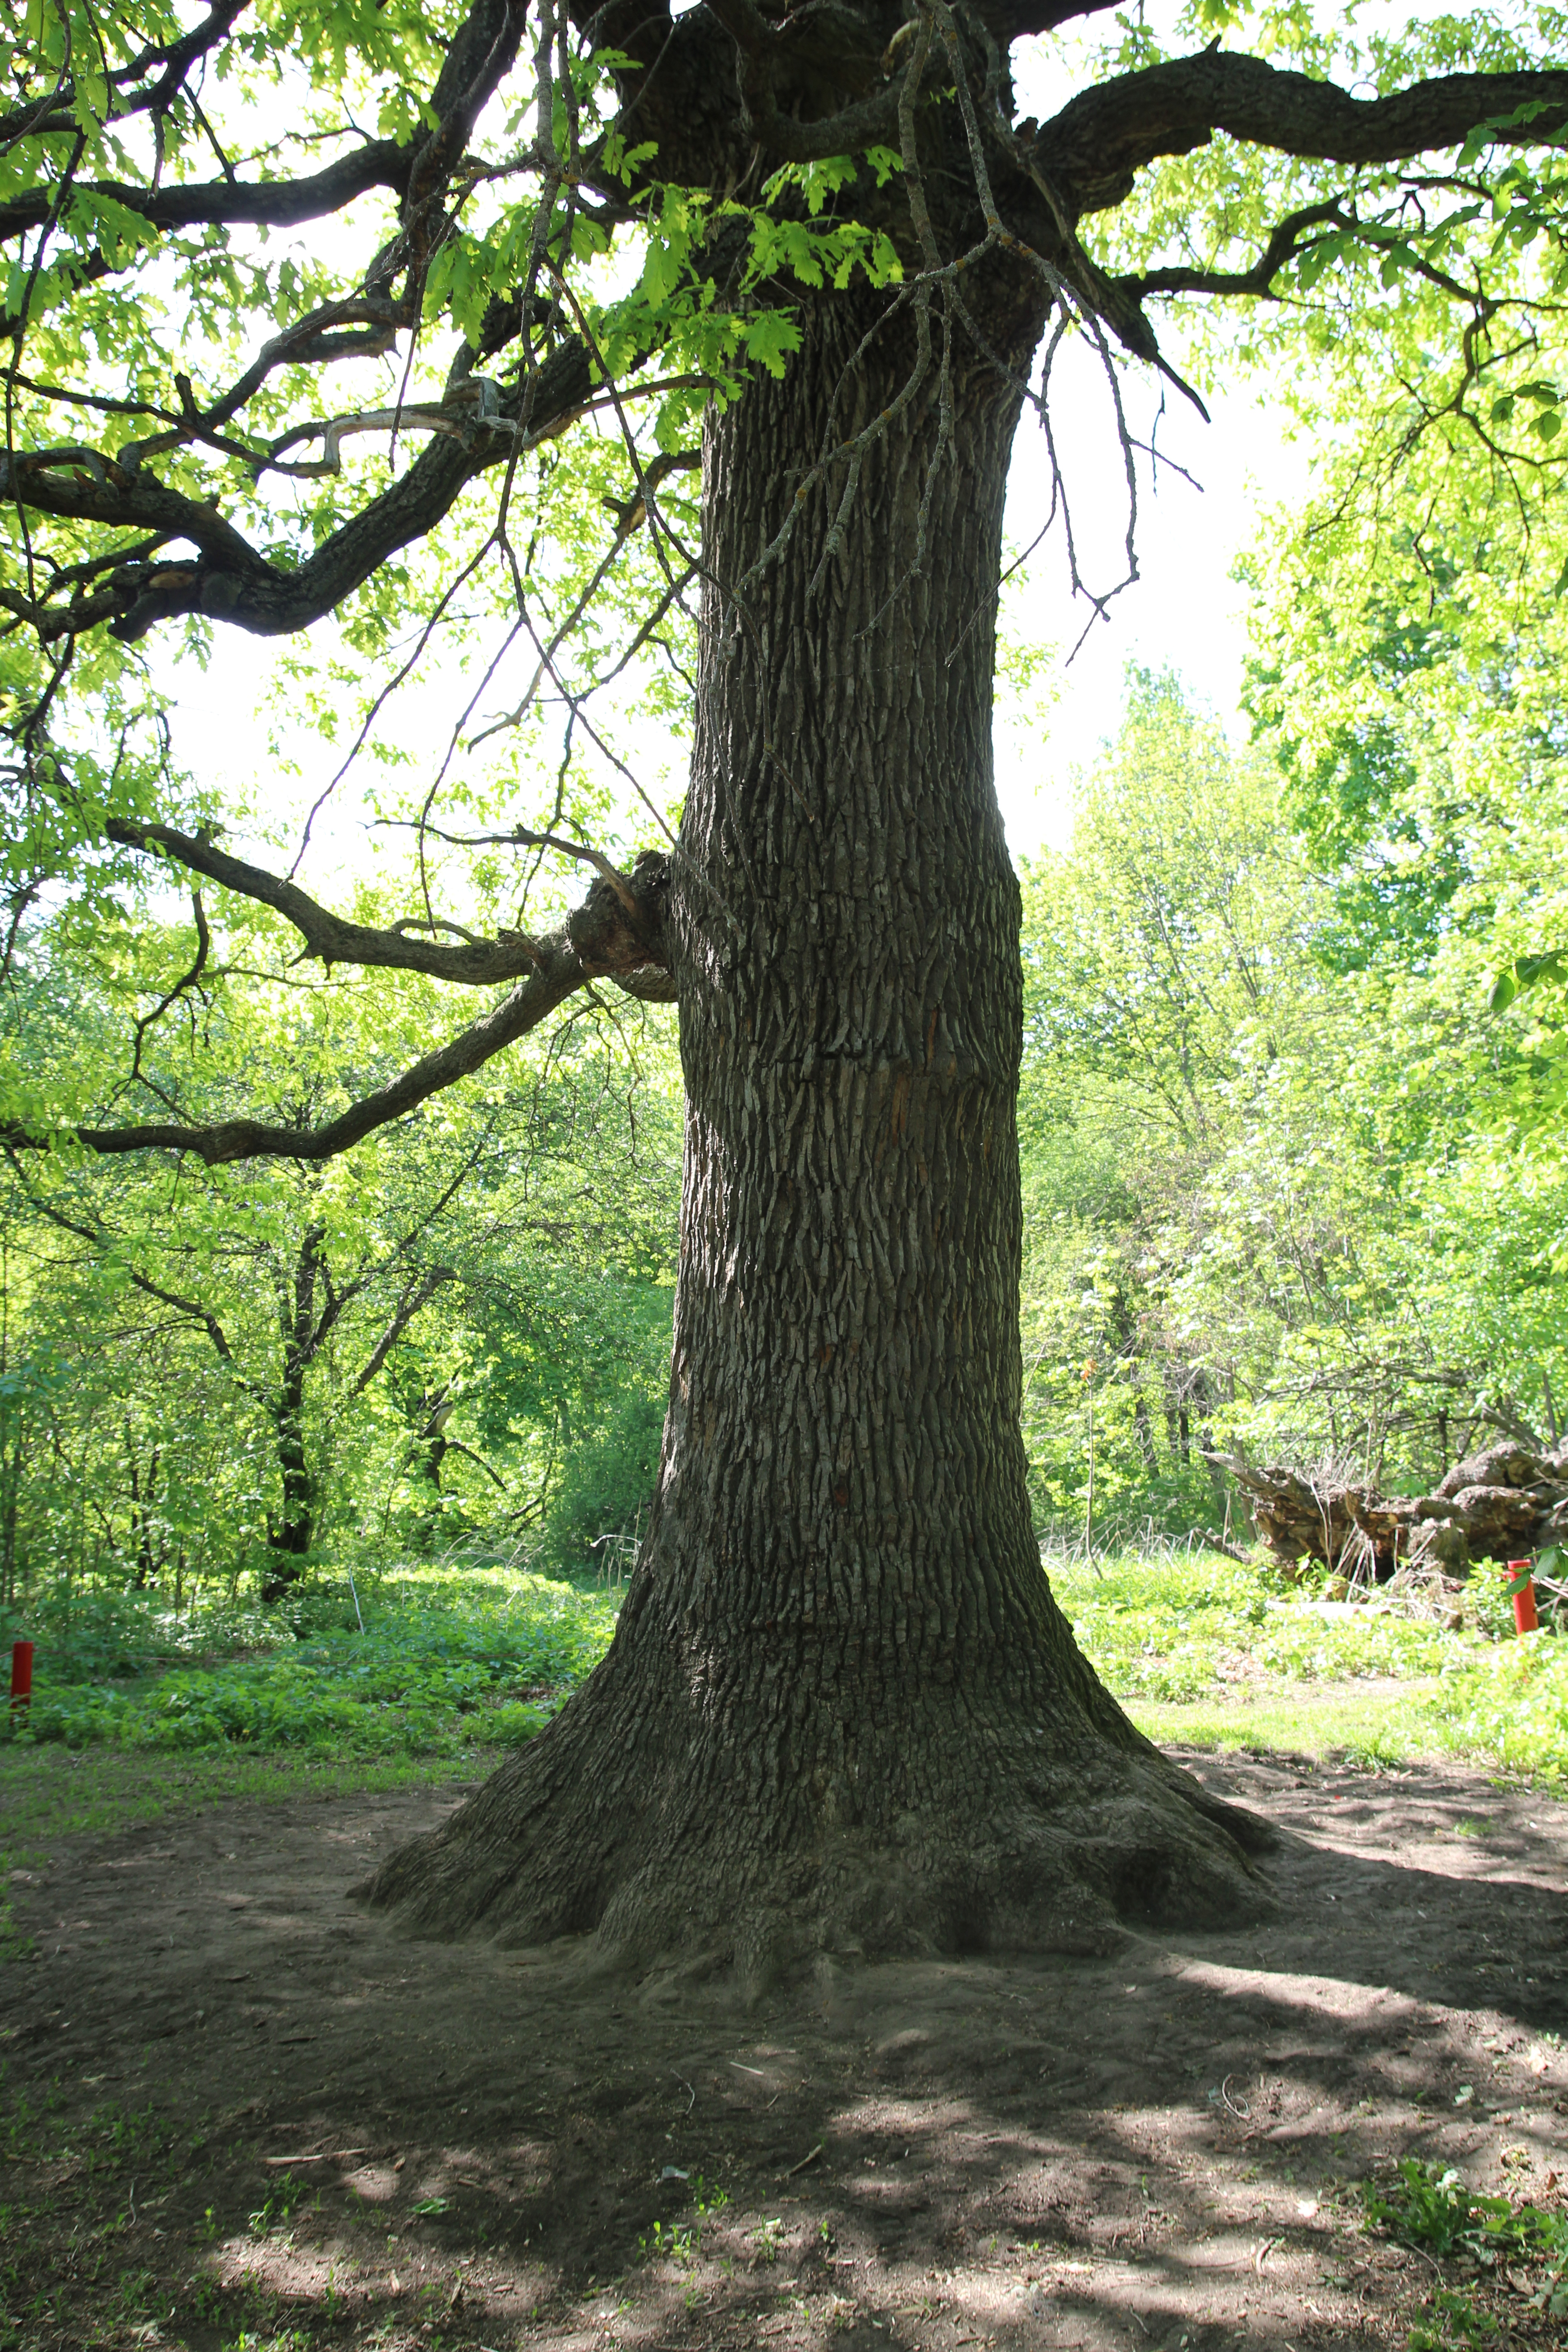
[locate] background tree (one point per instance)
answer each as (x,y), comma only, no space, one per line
(1169,981)
(224,1356)
(1273,1171)
(841,1709)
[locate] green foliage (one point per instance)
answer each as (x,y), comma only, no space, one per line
(1428,2205)
(445,1664)
(1454,2324)
(610,1467)
(1170,1633)
(394,1354)
(1278,1193)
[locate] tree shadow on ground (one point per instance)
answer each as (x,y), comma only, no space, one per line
(268,2117)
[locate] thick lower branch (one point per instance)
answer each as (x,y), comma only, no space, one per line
(602,938)
(1101,139)
(270,203)
(332,938)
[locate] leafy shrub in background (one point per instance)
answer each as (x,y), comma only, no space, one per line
(1176,1632)
(97,1634)
(445,1662)
(607,1477)
(608,1483)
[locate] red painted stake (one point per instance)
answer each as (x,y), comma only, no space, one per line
(21,1674)
(1525,1619)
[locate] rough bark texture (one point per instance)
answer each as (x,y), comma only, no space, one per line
(842,1712)
(1504,1504)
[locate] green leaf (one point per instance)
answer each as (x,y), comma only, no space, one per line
(770,337)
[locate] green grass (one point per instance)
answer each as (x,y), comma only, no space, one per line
(1311,1721)
(1180,1630)
(1211,1653)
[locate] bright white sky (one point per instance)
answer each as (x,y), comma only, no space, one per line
(1183,613)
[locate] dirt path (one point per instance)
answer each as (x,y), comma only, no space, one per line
(1156,2150)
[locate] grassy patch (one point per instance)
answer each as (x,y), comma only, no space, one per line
(1511,1708)
(442,1662)
(80,2261)
(67,2272)
(1208,1654)
(1179,1631)
(1311,1720)
(50,1792)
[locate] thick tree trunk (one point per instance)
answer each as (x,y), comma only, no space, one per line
(842,1711)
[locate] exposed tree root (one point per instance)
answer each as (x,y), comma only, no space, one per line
(642,1824)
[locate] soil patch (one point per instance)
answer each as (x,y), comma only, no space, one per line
(241,2110)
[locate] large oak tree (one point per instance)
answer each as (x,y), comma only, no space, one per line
(842,1711)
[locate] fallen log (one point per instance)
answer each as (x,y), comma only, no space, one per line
(1505,1503)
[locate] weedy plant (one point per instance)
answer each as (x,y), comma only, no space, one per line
(1430,2206)
(278,2210)
(674,2243)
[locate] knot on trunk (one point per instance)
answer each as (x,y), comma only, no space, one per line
(619,931)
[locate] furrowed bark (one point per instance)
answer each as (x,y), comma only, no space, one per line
(842,1712)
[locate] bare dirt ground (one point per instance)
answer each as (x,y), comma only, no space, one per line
(244,2112)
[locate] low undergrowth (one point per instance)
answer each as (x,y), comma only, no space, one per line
(1496,2253)
(1175,1631)
(1206,1651)
(442,1662)
(137,1714)
(453,1666)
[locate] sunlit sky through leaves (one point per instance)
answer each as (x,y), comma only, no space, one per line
(1185,612)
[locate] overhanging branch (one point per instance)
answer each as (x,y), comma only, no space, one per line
(1097,144)
(600,940)
(329,938)
(531,1001)
(228,579)
(1286,241)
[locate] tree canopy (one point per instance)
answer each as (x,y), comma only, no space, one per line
(404,323)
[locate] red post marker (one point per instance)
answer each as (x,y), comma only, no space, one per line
(1525,1619)
(21,1674)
